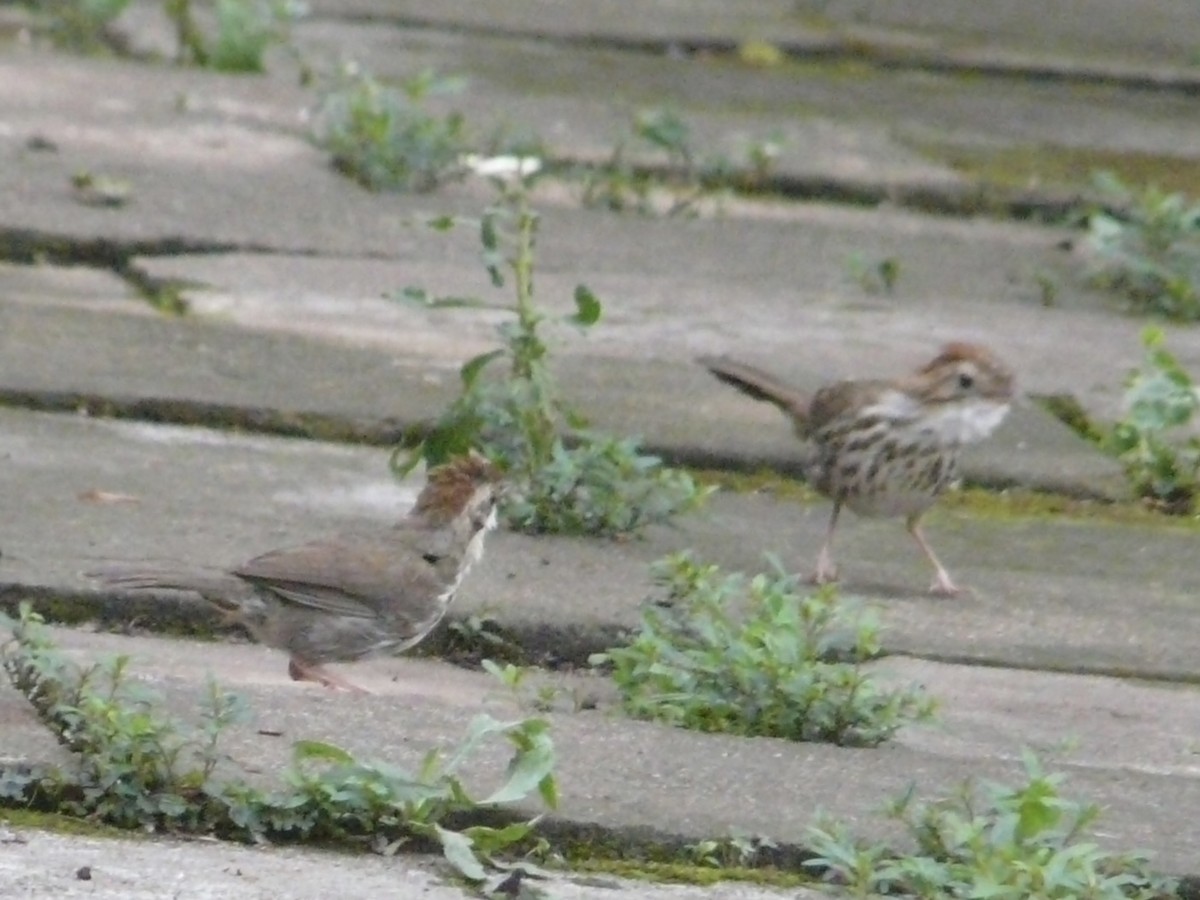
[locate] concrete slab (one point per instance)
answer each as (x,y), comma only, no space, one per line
(615,773)
(192,371)
(220,166)
(1047,594)
(41,864)
(1099,29)
(579,96)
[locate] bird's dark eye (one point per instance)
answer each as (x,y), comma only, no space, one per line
(966,380)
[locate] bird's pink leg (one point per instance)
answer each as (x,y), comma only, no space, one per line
(943,585)
(826,572)
(302,671)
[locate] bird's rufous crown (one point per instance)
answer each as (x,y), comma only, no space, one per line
(993,377)
(450,486)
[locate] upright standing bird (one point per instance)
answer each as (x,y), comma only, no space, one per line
(352,596)
(888,448)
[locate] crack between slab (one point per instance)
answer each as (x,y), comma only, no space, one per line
(874,51)
(384,432)
(549,645)
(34,247)
(391,431)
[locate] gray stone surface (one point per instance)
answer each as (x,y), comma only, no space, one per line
(289,265)
(1099,31)
(410,373)
(40,864)
(1046,594)
(626,775)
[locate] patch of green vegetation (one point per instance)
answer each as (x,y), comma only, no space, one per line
(874,277)
(1011,843)
(757,657)
(1153,441)
(1148,251)
(164,294)
(245,30)
(562,476)
(241,33)
(1071,413)
(136,766)
(1024,167)
(385,138)
(82,26)
(658,159)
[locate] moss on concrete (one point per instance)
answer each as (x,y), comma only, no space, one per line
(61,824)
(1033,167)
(256,420)
(688,873)
(171,617)
(760,481)
(1012,503)
(648,855)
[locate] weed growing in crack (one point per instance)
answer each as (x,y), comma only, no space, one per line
(228,35)
(563,476)
(385,138)
(739,850)
(1150,254)
(240,33)
(756,657)
(532,689)
(83,26)
(1000,842)
(874,277)
(135,765)
(632,177)
(1161,401)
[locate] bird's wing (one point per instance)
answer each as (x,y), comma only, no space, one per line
(361,578)
(842,398)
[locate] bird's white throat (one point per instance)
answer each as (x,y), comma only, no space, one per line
(475,544)
(962,422)
(473,554)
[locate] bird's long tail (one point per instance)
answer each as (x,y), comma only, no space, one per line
(758,384)
(220,588)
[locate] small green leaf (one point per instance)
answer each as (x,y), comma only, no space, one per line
(412,294)
(419,297)
(319,750)
(493,261)
(449,439)
(587,307)
(491,840)
(489,234)
(459,852)
(526,771)
(471,369)
(441,223)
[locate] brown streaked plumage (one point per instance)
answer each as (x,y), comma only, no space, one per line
(887,447)
(348,597)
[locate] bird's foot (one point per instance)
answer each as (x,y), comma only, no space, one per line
(827,575)
(943,586)
(304,672)
(826,571)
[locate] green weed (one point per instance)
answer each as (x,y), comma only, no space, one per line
(757,657)
(1011,843)
(563,476)
(136,766)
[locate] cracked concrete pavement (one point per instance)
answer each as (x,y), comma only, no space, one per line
(1075,638)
